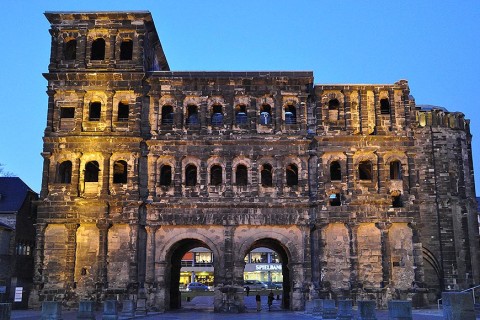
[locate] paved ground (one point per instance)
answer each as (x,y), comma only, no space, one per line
(200,309)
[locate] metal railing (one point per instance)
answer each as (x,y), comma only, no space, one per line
(466,290)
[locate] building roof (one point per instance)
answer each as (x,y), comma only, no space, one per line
(12,194)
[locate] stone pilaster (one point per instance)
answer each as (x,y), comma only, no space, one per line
(103,227)
(70,255)
(386,268)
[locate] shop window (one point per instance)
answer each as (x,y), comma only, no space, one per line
(120,172)
(335,171)
(395,170)
(167,115)
(334,199)
(290,115)
(67,113)
(95,110)
(241,175)
(191,175)
(65,172)
(123,111)
(292,175)
(91,171)
(70,50)
(192,115)
(265,115)
(126,50)
(384,106)
(241,117)
(266,175)
(216,175)
(98,49)
(166,175)
(365,170)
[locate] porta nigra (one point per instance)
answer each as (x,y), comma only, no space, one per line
(361,192)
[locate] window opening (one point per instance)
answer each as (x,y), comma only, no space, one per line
(120,172)
(166,175)
(334,199)
(126,50)
(91,171)
(217,116)
(241,115)
(94,111)
(384,106)
(241,175)
(191,175)
(65,172)
(98,49)
(67,113)
(167,115)
(265,115)
(397,201)
(365,170)
(123,111)
(333,109)
(290,115)
(335,171)
(192,115)
(395,170)
(266,175)
(71,50)
(216,175)
(292,175)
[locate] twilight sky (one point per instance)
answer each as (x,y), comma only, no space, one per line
(435,45)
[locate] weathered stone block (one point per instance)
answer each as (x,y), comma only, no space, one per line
(309,306)
(399,310)
(318,307)
(110,310)
(458,306)
(51,310)
(86,310)
(329,310)
(345,311)
(366,310)
(128,309)
(141,309)
(5,311)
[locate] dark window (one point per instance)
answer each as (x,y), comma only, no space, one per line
(167,115)
(216,175)
(266,175)
(365,170)
(71,50)
(333,110)
(91,171)
(217,116)
(66,113)
(334,199)
(290,115)
(65,172)
(333,104)
(241,175)
(120,172)
(126,50)
(191,175)
(94,111)
(98,49)
(397,201)
(384,106)
(292,175)
(123,111)
(192,115)
(265,115)
(335,171)
(395,170)
(166,175)
(241,117)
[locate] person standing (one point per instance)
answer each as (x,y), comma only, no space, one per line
(270,300)
(247,289)
(258,299)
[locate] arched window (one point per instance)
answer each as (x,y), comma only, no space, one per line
(70,50)
(397,201)
(335,171)
(241,175)
(292,175)
(265,115)
(395,170)
(365,170)
(216,175)
(384,106)
(120,172)
(123,111)
(290,115)
(166,175)
(190,175)
(126,50)
(334,199)
(266,175)
(217,116)
(241,117)
(91,171)
(98,49)
(192,115)
(333,110)
(65,172)
(167,115)
(94,111)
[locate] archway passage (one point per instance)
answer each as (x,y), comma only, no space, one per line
(196,259)
(267,261)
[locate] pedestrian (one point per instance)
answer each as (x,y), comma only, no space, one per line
(247,289)
(270,300)
(259,302)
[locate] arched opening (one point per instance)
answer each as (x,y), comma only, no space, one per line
(126,50)
(98,49)
(123,111)
(384,106)
(335,171)
(216,173)
(241,175)
(167,115)
(166,175)
(265,115)
(395,170)
(241,117)
(365,170)
(290,114)
(266,270)
(333,110)
(267,175)
(292,175)
(120,172)
(192,115)
(217,116)
(190,175)
(94,111)
(191,273)
(70,52)
(91,171)
(65,172)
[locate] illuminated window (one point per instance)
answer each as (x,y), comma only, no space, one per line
(123,111)
(241,175)
(95,110)
(395,170)
(365,170)
(98,49)
(335,171)
(266,175)
(167,115)
(120,172)
(70,50)
(191,175)
(166,175)
(216,175)
(292,175)
(265,115)
(290,115)
(91,171)
(384,106)
(126,50)
(65,172)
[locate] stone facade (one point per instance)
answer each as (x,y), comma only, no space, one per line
(359,190)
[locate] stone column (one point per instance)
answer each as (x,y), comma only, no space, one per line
(38,281)
(350,171)
(352,234)
(386,268)
(133,263)
(161,297)
(150,272)
(70,255)
(103,227)
(109,111)
(46,174)
(297,297)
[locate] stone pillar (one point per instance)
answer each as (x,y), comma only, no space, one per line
(133,257)
(150,272)
(38,280)
(458,306)
(386,268)
(350,171)
(161,297)
(45,174)
(103,227)
(70,256)
(352,234)
(297,297)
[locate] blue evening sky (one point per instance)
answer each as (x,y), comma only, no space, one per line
(435,45)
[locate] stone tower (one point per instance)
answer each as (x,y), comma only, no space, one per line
(356,188)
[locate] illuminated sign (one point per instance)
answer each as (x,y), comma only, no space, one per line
(268,267)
